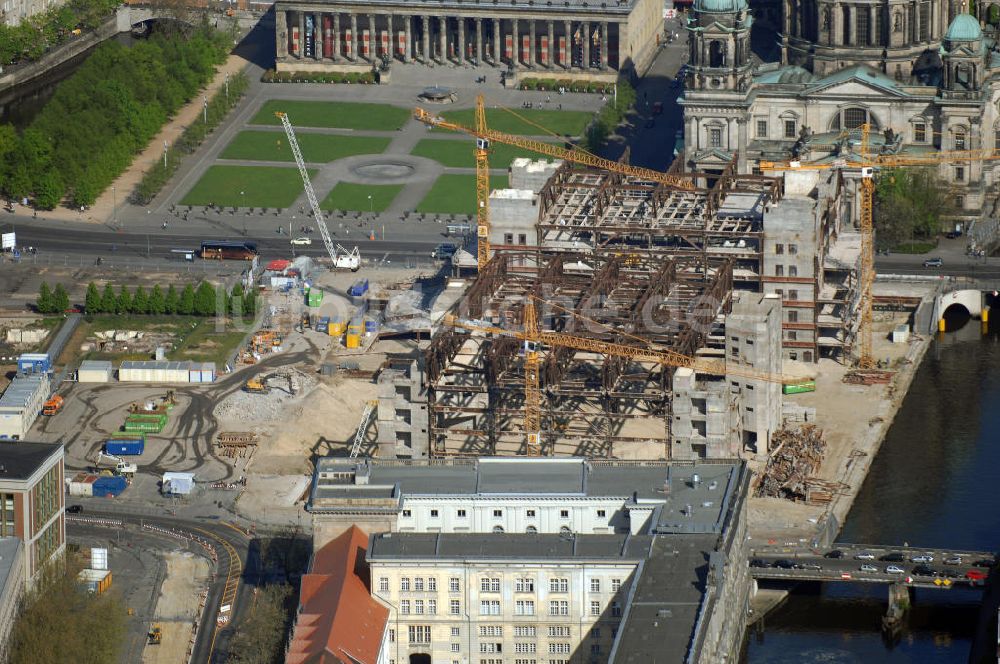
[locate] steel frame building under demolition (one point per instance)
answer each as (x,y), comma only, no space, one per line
(616,256)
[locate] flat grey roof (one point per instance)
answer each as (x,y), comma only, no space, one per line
(490,546)
(468,7)
(21,391)
(19,460)
(661,617)
(96,365)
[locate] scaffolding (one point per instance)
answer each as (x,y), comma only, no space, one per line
(592,405)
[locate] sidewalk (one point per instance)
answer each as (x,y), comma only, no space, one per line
(117,194)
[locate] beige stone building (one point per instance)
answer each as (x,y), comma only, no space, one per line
(583,39)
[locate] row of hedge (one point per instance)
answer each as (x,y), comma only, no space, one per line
(189,301)
(364,78)
(552,85)
(194,135)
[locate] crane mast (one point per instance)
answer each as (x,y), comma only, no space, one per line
(307,184)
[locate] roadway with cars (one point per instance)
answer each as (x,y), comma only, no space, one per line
(874,564)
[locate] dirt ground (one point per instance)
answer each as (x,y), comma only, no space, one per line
(854,419)
(176,609)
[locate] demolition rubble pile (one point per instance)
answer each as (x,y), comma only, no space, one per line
(796,456)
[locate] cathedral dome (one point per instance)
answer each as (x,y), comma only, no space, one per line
(965,28)
(720,6)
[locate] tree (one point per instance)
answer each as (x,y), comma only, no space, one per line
(49,190)
(92,304)
(204,299)
(109,302)
(185,305)
(45,304)
(909,204)
(236,301)
(171,301)
(60,300)
(140,301)
(260,639)
(157,305)
(124,304)
(250,302)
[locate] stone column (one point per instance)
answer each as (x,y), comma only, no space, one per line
(336,37)
(586,45)
(568,64)
(460,47)
(372,40)
(741,129)
(836,25)
(515,38)
(497,48)
(916,22)
(604,47)
(427,40)
(354,38)
(532,48)
(281,34)
(317,36)
(443,24)
(551,47)
(302,35)
(408,36)
(479,42)
(393,44)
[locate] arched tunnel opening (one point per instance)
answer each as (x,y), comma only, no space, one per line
(956,316)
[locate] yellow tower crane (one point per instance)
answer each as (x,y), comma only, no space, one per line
(867,165)
(534,338)
(485,136)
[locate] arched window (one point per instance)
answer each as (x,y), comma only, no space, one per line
(498,529)
(960,138)
(853,118)
(565,530)
(716,54)
(531,530)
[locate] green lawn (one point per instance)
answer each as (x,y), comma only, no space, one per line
(564,123)
(316,148)
(915,247)
(204,343)
(263,186)
(460,154)
(456,194)
(344,115)
(348,196)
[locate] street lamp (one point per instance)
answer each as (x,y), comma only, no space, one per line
(205,100)
(243,197)
(371,206)
(114,206)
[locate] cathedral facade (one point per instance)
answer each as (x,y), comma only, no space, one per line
(922,74)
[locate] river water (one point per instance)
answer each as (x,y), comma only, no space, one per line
(934,483)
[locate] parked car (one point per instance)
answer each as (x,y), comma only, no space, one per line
(894,569)
(444,250)
(757,562)
(951,235)
(954,560)
(925,558)
(983,562)
(950,574)
(836,553)
(933,262)
(810,566)
(869,568)
(783,564)
(865,555)
(924,570)
(74,509)
(976,575)
(894,557)
(301,240)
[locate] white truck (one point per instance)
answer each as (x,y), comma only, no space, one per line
(122,467)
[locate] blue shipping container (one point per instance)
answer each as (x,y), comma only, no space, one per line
(124,447)
(359,288)
(371,326)
(109,486)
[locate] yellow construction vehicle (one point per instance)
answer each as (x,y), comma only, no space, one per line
(155,635)
(256,386)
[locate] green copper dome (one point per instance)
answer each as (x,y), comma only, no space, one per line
(720,6)
(964,28)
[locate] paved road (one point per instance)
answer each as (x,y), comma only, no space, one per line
(813,565)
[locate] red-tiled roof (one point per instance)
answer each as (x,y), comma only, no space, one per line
(339,621)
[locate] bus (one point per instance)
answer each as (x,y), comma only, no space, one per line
(229,250)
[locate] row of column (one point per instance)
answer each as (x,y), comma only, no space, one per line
(337,37)
(845,29)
